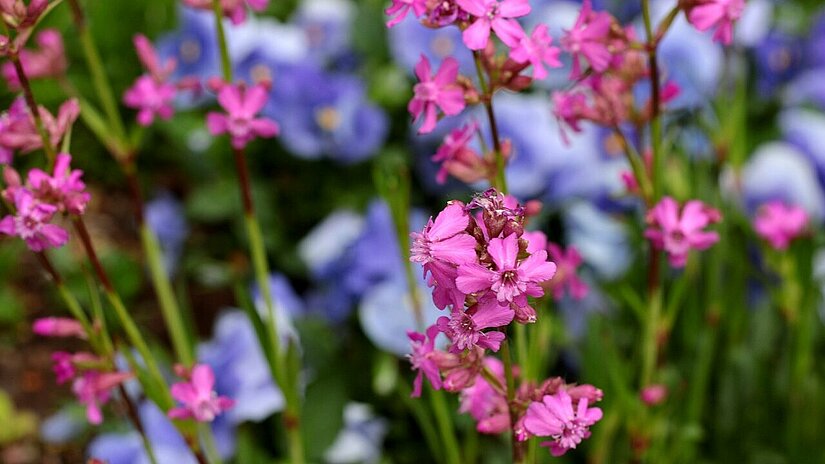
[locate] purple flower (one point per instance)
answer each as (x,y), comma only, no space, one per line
(31,222)
(193,45)
(200,402)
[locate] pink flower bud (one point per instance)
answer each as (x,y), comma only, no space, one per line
(653,394)
(58,327)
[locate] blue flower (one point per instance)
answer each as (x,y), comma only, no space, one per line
(327,25)
(409,39)
(359,442)
(778,58)
(193,45)
(600,238)
(165,216)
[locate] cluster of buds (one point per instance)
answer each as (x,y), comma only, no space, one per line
(483,266)
(20,18)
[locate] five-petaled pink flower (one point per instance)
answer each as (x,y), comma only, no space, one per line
(588,39)
(679,233)
(200,402)
(94,389)
(63,189)
(435,91)
(152,98)
(31,222)
(423,360)
(721,14)
(242,105)
(567,262)
(779,223)
(536,49)
(235,10)
(556,418)
(496,15)
(18,132)
(400,8)
(465,328)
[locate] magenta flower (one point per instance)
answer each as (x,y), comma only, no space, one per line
(94,389)
(435,91)
(485,404)
(536,49)
(511,281)
(31,222)
(48,61)
(16,14)
(588,39)
(235,10)
(200,402)
(496,15)
(18,132)
(457,158)
(400,8)
(464,328)
(63,189)
(567,262)
(423,360)
(65,364)
(653,394)
(151,98)
(678,234)
(151,61)
(716,13)
(58,327)
(779,224)
(241,104)
(555,417)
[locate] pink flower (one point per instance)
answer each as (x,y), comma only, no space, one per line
(570,108)
(63,189)
(588,39)
(400,8)
(31,223)
(58,327)
(779,224)
(464,328)
(18,132)
(511,281)
(536,49)
(48,61)
(200,402)
(485,404)
(555,417)
(235,10)
(567,261)
(17,15)
(151,98)
(151,61)
(94,389)
(435,91)
(457,158)
(241,104)
(678,234)
(64,364)
(653,394)
(422,359)
(496,15)
(716,13)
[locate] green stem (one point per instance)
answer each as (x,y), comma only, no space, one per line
(445,426)
(517,446)
(209,446)
(650,343)
(33,109)
(132,413)
(424,419)
(499,181)
(226,64)
(655,119)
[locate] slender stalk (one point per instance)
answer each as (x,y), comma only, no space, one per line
(445,426)
(226,64)
(33,109)
(499,181)
(134,417)
(655,110)
(517,446)
(209,445)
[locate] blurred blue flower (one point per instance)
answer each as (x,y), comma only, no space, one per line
(284,43)
(327,114)
(559,16)
(806,89)
(778,58)
(165,216)
(63,426)
(327,242)
(410,39)
(360,441)
(805,129)
(601,239)
(192,44)
(327,25)
(815,49)
(241,369)
(755,22)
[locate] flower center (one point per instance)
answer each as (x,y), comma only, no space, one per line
(328,118)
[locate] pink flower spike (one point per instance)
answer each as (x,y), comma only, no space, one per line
(31,223)
(435,91)
(47,62)
(536,49)
(63,189)
(58,327)
(588,39)
(555,417)
(678,233)
(719,14)
(779,224)
(94,389)
(493,15)
(241,104)
(423,360)
(400,8)
(200,402)
(151,98)
(567,262)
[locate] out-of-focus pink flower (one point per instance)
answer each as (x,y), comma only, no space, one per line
(556,418)
(588,39)
(48,61)
(18,132)
(200,402)
(151,98)
(465,328)
(151,61)
(706,14)
(94,389)
(58,327)
(64,188)
(17,15)
(400,8)
(435,91)
(678,233)
(536,49)
(235,10)
(567,262)
(653,394)
(31,222)
(242,104)
(570,108)
(779,223)
(457,158)
(422,359)
(64,364)
(485,404)
(496,15)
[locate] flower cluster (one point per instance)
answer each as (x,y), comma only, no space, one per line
(18,131)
